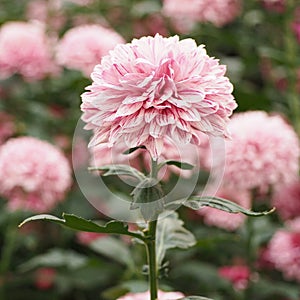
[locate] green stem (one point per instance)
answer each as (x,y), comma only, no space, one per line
(151,257)
(151,245)
(154,169)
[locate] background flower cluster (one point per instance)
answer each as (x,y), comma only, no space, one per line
(48,49)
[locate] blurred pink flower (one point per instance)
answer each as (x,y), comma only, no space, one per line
(296,27)
(7,127)
(48,12)
(150,25)
(284,250)
(217,12)
(80,153)
(37,10)
(44,278)
(25,49)
(82,47)
(222,219)
(274,5)
(157,88)
(238,275)
(146,296)
(296,23)
(264,150)
(286,199)
(88,237)
(34,176)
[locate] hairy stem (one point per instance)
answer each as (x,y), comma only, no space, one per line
(151,257)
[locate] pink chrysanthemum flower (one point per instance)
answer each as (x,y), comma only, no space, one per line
(156,88)
(34,175)
(238,275)
(217,12)
(82,47)
(284,250)
(146,296)
(25,49)
(286,199)
(264,150)
(222,219)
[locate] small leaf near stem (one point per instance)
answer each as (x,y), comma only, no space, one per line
(131,150)
(149,198)
(118,170)
(172,234)
(178,164)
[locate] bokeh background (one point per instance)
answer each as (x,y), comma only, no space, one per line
(47,52)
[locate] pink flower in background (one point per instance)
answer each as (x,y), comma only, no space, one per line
(7,127)
(264,150)
(48,12)
(34,175)
(222,219)
(157,88)
(296,23)
(286,199)
(274,5)
(146,296)
(87,238)
(150,25)
(25,49)
(80,153)
(284,250)
(82,47)
(44,278)
(296,27)
(238,275)
(217,12)
(37,10)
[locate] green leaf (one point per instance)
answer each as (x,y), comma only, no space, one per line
(131,150)
(178,164)
(113,248)
(56,258)
(170,233)
(78,223)
(269,288)
(149,198)
(117,170)
(196,202)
